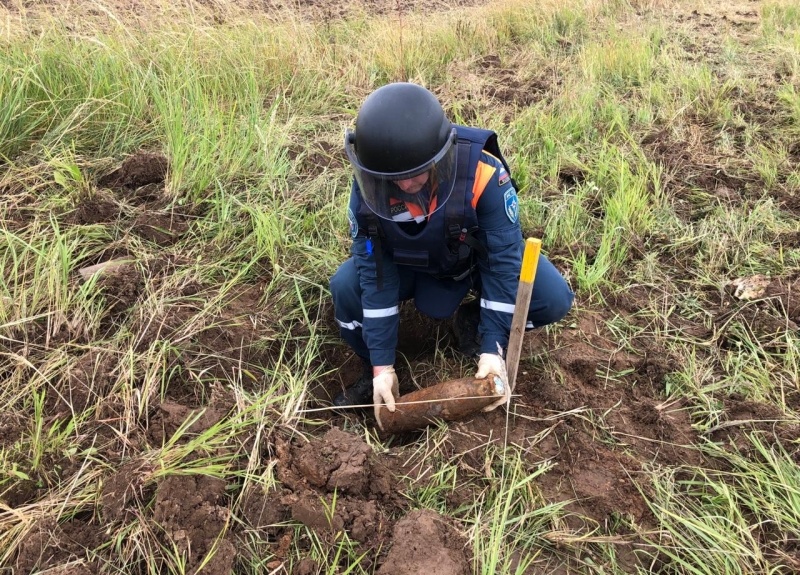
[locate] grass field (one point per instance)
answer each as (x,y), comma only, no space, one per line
(173,201)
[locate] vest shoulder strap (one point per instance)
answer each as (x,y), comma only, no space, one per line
(488,141)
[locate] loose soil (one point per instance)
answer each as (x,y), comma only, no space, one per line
(595,414)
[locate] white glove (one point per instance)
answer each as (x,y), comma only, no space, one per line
(385,388)
(490,363)
(495,364)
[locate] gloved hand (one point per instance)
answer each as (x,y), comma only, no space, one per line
(385,388)
(495,364)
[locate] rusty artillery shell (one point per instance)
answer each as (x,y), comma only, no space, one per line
(449,401)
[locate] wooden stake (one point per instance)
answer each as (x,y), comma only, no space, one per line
(530,261)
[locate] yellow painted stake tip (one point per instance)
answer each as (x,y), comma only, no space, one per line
(530,259)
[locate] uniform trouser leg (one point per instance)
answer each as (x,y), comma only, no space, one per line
(551,298)
(550,301)
(433,297)
(349,313)
(436,298)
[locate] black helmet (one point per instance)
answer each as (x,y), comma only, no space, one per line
(401,133)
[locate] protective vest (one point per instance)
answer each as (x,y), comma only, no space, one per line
(446,245)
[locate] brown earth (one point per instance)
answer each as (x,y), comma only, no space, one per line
(424,542)
(595,414)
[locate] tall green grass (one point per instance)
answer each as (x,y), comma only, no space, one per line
(734,522)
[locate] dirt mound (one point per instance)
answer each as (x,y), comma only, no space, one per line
(139,182)
(61,547)
(425,542)
(136,171)
(336,485)
(122,285)
(98,208)
(85,382)
(193,513)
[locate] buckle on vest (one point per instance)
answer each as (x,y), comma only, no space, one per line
(464,275)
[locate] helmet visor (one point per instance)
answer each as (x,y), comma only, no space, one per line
(411,195)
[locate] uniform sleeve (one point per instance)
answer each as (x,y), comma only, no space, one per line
(497,208)
(380,306)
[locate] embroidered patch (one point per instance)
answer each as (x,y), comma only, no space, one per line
(351,219)
(512,205)
(503,178)
(398,209)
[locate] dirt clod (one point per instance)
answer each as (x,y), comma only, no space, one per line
(100,208)
(121,287)
(338,461)
(84,382)
(192,512)
(137,170)
(425,542)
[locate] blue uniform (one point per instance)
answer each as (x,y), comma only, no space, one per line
(385,270)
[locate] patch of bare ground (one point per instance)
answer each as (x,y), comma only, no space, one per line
(193,513)
(701,172)
(63,546)
(85,383)
(694,175)
(742,417)
(598,414)
(238,333)
(737,18)
(317,471)
(136,172)
(424,540)
(614,419)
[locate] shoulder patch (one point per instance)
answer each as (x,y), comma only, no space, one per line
(351,220)
(512,205)
(503,178)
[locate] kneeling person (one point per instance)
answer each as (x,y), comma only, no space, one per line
(433,214)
